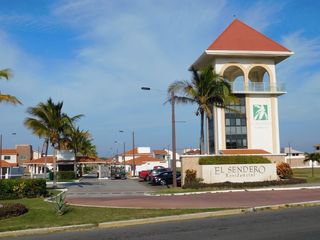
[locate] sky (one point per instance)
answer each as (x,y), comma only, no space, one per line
(95,55)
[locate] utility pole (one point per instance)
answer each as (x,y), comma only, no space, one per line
(133,163)
(174,170)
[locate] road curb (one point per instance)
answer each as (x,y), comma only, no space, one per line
(172,218)
(191,216)
(46,230)
(234,190)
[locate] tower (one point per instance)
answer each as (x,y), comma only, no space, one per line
(247,59)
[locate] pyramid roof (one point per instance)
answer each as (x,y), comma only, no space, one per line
(239,39)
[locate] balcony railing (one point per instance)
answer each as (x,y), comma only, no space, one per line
(258,87)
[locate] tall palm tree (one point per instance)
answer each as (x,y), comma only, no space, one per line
(313,157)
(6,73)
(207,89)
(50,122)
(77,141)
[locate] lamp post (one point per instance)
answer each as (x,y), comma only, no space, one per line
(133,167)
(173,136)
(1,153)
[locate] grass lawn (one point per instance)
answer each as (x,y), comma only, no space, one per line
(306,173)
(42,214)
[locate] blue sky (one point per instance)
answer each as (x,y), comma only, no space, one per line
(96,54)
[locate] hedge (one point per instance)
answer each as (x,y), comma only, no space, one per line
(20,188)
(232,185)
(65,175)
(233,160)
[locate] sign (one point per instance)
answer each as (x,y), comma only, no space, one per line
(260,112)
(239,173)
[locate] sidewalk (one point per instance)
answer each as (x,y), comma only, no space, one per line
(243,199)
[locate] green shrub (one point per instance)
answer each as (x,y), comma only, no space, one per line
(65,175)
(20,188)
(191,180)
(284,170)
(236,159)
(60,204)
(10,210)
(231,185)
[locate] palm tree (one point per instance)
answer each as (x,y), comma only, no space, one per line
(77,141)
(313,157)
(208,90)
(50,122)
(6,73)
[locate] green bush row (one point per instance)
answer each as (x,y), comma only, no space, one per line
(231,185)
(65,175)
(233,160)
(20,188)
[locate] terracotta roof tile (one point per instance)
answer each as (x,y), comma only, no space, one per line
(40,161)
(160,152)
(9,151)
(244,151)
(239,36)
(142,159)
(7,164)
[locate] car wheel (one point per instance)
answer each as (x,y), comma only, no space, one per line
(163,182)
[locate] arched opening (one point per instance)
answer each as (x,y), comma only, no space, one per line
(235,76)
(259,79)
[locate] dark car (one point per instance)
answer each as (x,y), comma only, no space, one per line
(118,173)
(164,178)
(156,172)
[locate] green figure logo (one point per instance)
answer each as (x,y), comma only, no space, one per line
(260,112)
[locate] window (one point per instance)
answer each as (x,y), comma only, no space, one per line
(22,157)
(6,157)
(236,124)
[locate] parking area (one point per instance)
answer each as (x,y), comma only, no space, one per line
(90,186)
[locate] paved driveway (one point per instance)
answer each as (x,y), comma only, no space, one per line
(91,187)
(206,200)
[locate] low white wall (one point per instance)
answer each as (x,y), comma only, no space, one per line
(239,173)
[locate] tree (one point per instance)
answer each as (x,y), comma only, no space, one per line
(208,90)
(77,141)
(6,73)
(313,157)
(50,122)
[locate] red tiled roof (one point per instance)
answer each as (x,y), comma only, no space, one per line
(143,159)
(7,164)
(9,151)
(239,36)
(160,152)
(85,159)
(244,151)
(40,161)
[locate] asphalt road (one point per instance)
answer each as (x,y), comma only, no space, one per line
(288,224)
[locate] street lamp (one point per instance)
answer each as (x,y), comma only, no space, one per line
(1,153)
(173,137)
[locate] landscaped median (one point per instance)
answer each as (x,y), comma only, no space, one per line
(42,214)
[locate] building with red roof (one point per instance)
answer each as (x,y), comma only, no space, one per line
(247,59)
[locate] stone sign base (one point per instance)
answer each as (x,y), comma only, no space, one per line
(239,173)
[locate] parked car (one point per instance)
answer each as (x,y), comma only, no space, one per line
(118,173)
(165,178)
(156,172)
(145,173)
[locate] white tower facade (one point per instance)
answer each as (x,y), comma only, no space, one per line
(247,59)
